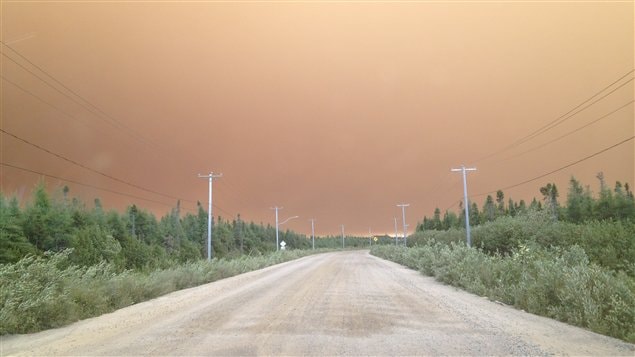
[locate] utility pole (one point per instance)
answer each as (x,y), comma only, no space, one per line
(370,238)
(211,177)
(396,238)
(463,169)
(277,208)
(240,233)
(403,215)
(313,232)
(342,236)
(133,213)
(281,223)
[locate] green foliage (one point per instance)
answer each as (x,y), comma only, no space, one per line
(13,243)
(579,202)
(609,244)
(558,283)
(46,224)
(550,196)
(132,240)
(48,291)
(581,206)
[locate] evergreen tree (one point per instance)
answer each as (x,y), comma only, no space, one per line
(500,203)
(450,220)
(92,244)
(605,205)
(624,204)
(522,207)
(13,243)
(475,219)
(579,202)
(239,233)
(512,208)
(489,209)
(550,196)
(45,225)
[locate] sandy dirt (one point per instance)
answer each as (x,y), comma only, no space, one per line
(345,303)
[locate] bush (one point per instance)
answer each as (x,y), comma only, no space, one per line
(38,293)
(610,244)
(560,283)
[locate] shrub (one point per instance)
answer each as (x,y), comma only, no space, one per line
(560,283)
(37,293)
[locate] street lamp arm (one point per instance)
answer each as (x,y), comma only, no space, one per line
(287,220)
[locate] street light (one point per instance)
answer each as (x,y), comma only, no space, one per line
(287,220)
(278,224)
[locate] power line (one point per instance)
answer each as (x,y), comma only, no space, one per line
(571,132)
(85,184)
(52,86)
(104,174)
(233,192)
(41,100)
(84,103)
(572,112)
(554,124)
(452,205)
(561,168)
(88,168)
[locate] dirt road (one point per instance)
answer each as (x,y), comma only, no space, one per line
(347,303)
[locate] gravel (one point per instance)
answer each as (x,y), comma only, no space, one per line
(344,303)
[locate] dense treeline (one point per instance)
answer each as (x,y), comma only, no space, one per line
(134,239)
(581,206)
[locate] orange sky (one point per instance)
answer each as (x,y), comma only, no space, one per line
(337,111)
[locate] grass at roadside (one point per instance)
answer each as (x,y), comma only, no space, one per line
(557,283)
(39,293)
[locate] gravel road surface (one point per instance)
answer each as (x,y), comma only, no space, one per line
(345,303)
